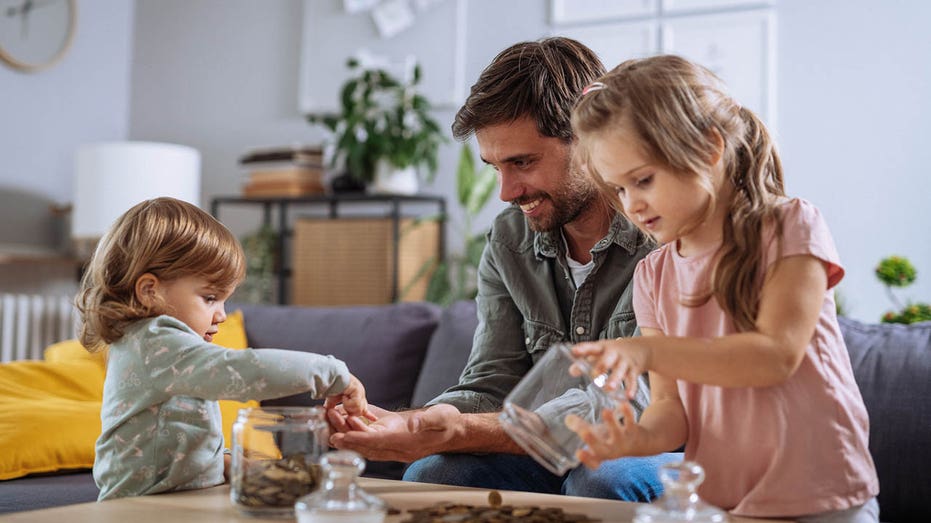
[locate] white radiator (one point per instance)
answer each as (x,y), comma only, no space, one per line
(29,323)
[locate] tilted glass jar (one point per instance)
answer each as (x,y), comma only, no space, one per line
(275,457)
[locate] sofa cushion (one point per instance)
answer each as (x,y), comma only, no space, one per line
(46,491)
(383,345)
(892,366)
(448,352)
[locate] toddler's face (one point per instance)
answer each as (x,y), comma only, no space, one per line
(196,302)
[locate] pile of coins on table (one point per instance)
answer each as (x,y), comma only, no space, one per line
(275,483)
(494,512)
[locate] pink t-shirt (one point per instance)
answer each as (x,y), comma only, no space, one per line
(786,450)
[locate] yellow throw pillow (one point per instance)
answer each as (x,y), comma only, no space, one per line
(71,350)
(49,415)
(232,335)
(232,332)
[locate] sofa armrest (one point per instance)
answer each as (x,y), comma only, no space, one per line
(892,366)
(448,352)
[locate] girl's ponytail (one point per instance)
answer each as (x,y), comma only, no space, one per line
(758,183)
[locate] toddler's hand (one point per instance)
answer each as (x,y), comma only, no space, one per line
(352,398)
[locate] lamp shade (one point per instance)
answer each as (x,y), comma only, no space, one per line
(110,178)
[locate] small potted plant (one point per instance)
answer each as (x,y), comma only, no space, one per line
(897,271)
(383,132)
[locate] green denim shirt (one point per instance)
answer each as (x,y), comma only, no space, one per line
(527,301)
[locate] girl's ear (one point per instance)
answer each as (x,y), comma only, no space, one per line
(146,289)
(718,146)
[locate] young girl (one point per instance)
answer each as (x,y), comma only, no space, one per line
(155,290)
(747,364)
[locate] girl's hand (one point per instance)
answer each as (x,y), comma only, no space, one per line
(625,359)
(611,439)
(352,399)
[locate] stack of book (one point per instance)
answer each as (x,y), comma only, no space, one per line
(283,172)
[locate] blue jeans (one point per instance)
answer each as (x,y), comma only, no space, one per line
(626,479)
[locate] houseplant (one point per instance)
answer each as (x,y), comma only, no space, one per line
(383,124)
(455,278)
(897,271)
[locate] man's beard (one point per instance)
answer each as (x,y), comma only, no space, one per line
(578,193)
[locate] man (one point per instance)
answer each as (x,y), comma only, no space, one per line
(557,267)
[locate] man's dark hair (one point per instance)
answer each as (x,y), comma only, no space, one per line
(541,79)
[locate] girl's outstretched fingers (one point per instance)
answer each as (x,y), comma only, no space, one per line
(585,432)
(586,349)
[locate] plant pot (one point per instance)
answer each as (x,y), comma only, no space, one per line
(347,183)
(391,180)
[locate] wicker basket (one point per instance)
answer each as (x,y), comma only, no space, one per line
(350,261)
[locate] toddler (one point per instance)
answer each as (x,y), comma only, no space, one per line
(155,291)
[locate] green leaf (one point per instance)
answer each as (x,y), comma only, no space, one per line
(465,174)
(439,289)
(486,180)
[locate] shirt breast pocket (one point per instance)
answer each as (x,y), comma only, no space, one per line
(622,324)
(538,337)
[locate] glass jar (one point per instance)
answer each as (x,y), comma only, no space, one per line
(680,502)
(535,411)
(275,458)
(339,499)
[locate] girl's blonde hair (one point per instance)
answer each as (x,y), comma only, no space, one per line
(166,237)
(681,112)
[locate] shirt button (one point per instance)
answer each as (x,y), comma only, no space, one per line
(527,341)
(580,330)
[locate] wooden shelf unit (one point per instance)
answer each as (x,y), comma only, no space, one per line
(283,208)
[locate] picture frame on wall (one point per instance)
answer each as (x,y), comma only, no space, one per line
(616,42)
(738,47)
(583,11)
(676,6)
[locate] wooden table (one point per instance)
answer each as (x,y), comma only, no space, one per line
(213,505)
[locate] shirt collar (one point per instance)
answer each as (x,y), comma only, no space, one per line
(622,232)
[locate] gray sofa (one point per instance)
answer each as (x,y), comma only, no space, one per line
(407,353)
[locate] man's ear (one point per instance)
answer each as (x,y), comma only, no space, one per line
(147,289)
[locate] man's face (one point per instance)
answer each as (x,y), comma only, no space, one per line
(535,173)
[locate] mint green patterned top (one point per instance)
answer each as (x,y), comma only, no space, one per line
(161,427)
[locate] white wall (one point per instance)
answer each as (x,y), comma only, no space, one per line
(854,120)
(44,116)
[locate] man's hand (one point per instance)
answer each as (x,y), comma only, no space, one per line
(393,436)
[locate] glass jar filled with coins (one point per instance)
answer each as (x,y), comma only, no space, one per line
(275,454)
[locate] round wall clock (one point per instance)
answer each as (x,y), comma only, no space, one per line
(35,34)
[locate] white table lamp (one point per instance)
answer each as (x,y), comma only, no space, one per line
(111,177)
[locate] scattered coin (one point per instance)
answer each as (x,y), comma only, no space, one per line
(462,513)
